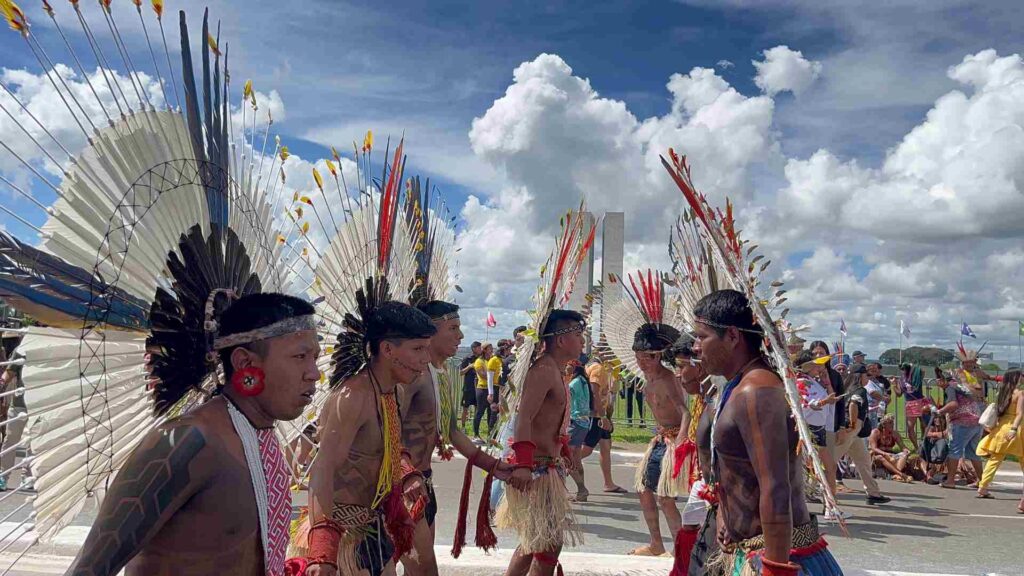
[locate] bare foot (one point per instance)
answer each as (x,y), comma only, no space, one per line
(647,550)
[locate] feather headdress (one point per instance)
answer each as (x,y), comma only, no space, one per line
(167,204)
(558,277)
(742,270)
(645,319)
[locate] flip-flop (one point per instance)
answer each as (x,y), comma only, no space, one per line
(617,490)
(953,487)
(985,496)
(645,550)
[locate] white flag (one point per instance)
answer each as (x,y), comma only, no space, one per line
(904,329)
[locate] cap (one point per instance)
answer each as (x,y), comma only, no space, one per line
(858,353)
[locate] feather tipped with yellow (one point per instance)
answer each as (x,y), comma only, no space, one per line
(319,180)
(138,4)
(284,153)
(158,7)
(331,167)
(213,44)
(368,141)
(14,16)
(247,89)
(334,153)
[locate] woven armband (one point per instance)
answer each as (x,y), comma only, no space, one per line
(324,539)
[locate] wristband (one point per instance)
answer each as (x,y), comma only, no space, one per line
(522,454)
(324,538)
(772,568)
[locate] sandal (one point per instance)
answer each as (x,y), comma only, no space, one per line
(616,490)
(985,496)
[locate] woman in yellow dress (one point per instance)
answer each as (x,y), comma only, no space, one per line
(1004,439)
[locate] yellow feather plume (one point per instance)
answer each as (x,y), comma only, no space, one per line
(305,228)
(158,7)
(14,16)
(334,153)
(319,180)
(284,153)
(295,196)
(247,90)
(306,200)
(331,167)
(368,141)
(213,44)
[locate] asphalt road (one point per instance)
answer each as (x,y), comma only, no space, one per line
(925,530)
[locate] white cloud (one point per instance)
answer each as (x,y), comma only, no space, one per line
(785,70)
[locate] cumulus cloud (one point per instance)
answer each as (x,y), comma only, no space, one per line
(785,70)
(920,237)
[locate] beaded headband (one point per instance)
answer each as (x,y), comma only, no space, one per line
(566,330)
(707,322)
(280,328)
(445,317)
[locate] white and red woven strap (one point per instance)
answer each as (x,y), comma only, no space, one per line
(279,499)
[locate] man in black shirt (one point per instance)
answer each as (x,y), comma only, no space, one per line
(468,382)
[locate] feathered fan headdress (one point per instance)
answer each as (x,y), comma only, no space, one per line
(166,205)
(644,320)
(742,272)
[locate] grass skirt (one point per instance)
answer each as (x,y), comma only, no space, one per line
(668,487)
(348,564)
(542,516)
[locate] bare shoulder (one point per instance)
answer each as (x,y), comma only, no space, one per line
(350,400)
(542,372)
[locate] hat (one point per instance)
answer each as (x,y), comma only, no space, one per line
(858,353)
(795,340)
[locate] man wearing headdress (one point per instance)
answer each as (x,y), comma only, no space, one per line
(654,481)
(361,482)
(763,523)
(537,505)
(965,402)
(184,500)
(429,422)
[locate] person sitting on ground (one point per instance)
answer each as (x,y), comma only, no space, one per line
(882,441)
(1004,439)
(934,449)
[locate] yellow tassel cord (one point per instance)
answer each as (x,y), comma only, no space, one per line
(445,400)
(391,462)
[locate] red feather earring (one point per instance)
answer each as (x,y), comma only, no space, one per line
(249,381)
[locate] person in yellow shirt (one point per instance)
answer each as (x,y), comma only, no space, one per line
(488,370)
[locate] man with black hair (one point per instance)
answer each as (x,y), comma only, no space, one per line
(184,500)
(469,381)
(537,507)
(358,521)
(654,482)
(428,422)
(763,523)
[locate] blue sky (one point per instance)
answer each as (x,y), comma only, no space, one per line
(430,68)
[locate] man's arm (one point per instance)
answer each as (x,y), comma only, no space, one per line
(158,478)
(766,413)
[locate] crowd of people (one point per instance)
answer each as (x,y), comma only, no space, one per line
(948,443)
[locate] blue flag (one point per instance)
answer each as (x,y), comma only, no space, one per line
(966,330)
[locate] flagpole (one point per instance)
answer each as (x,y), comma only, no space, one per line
(901,344)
